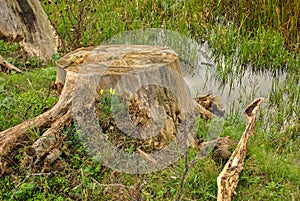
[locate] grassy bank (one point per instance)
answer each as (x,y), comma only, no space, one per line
(263,36)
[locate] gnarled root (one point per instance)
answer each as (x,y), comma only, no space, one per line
(52,121)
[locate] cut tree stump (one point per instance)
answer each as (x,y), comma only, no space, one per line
(147,77)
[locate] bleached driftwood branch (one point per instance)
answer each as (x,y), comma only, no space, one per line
(228,179)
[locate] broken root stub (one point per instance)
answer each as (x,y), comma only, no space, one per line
(5,66)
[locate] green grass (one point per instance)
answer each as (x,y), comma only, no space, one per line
(23,96)
(263,33)
(259,35)
(12,53)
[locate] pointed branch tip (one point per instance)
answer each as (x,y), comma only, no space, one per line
(252,108)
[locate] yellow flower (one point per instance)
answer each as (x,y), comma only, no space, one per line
(112,91)
(101,91)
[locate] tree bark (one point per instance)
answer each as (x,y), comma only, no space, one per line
(25,21)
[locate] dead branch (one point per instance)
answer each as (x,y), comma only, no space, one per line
(228,179)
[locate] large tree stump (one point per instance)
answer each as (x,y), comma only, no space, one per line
(145,79)
(26,22)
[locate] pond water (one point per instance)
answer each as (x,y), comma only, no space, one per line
(199,70)
(234,95)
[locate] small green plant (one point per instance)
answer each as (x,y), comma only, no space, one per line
(26,190)
(105,107)
(7,48)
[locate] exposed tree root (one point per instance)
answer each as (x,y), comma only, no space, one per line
(52,136)
(52,121)
(5,66)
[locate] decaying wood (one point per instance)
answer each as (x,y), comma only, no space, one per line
(145,155)
(25,21)
(52,156)
(52,137)
(6,66)
(210,106)
(103,67)
(228,179)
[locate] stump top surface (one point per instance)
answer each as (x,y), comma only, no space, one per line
(118,58)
